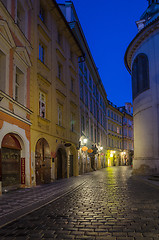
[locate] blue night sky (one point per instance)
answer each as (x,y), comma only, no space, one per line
(109,27)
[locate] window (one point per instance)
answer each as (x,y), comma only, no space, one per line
(16,86)
(91,105)
(86,95)
(90,81)
(95,112)
(98,137)
(101,118)
(117,118)
(87,128)
(81,66)
(42,13)
(108,113)
(2,71)
(72,122)
(91,132)
(19,86)
(114,116)
(111,114)
(97,94)
(41,53)
(140,74)
(82,124)
(59,38)
(85,71)
(101,100)
(60,108)
(20,16)
(71,56)
(59,71)
(95,135)
(81,88)
(42,105)
(94,89)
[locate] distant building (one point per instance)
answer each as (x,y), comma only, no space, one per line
(127,134)
(141,60)
(93,101)
(120,135)
(114,137)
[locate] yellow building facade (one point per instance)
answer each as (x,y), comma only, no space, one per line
(54,95)
(114,137)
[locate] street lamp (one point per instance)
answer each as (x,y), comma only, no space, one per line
(85,140)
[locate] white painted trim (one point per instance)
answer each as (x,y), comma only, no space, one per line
(15,116)
(25,144)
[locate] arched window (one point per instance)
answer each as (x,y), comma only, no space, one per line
(140,74)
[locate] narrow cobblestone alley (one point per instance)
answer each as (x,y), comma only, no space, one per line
(111,205)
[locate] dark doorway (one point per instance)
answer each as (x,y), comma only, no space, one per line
(61,163)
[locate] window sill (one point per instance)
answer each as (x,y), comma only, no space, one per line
(44,119)
(60,126)
(43,64)
(61,81)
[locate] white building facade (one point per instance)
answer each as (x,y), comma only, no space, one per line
(141,60)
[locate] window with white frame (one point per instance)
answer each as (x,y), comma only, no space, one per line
(19,93)
(2,71)
(60,115)
(42,104)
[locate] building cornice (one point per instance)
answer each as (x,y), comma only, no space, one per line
(136,42)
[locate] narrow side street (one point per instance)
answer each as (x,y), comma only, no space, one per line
(110,205)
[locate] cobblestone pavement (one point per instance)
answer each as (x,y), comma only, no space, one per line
(110,205)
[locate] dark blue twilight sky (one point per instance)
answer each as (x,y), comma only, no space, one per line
(109,27)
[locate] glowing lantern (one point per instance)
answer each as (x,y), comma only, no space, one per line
(84,149)
(90,151)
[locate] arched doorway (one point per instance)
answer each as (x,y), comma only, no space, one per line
(61,163)
(10,162)
(42,162)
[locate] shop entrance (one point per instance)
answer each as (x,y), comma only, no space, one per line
(10,162)
(42,162)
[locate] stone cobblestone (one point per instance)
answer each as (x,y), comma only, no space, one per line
(111,205)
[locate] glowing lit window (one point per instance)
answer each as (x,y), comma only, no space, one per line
(42,105)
